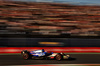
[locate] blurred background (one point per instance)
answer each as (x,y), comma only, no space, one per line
(49,19)
(49,23)
(68,26)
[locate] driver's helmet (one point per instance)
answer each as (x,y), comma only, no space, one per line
(42,50)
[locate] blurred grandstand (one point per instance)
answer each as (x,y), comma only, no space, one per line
(48,19)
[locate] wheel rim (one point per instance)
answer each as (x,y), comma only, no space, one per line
(25,56)
(58,57)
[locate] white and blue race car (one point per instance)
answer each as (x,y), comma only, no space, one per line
(41,54)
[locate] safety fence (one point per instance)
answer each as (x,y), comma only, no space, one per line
(52,49)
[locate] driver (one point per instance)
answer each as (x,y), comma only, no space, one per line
(43,50)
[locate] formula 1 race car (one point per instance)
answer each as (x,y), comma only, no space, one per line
(41,54)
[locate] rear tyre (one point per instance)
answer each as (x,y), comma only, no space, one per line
(25,56)
(58,57)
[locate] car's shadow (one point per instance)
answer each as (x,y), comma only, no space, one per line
(71,59)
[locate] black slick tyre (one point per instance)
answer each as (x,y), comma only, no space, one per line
(25,56)
(58,57)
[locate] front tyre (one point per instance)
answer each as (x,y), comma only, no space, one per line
(58,57)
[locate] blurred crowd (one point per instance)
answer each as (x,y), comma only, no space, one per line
(49,18)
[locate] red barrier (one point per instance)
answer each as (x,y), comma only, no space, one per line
(53,49)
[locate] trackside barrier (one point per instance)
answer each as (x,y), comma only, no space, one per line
(53,49)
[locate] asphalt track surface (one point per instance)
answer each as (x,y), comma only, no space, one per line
(77,59)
